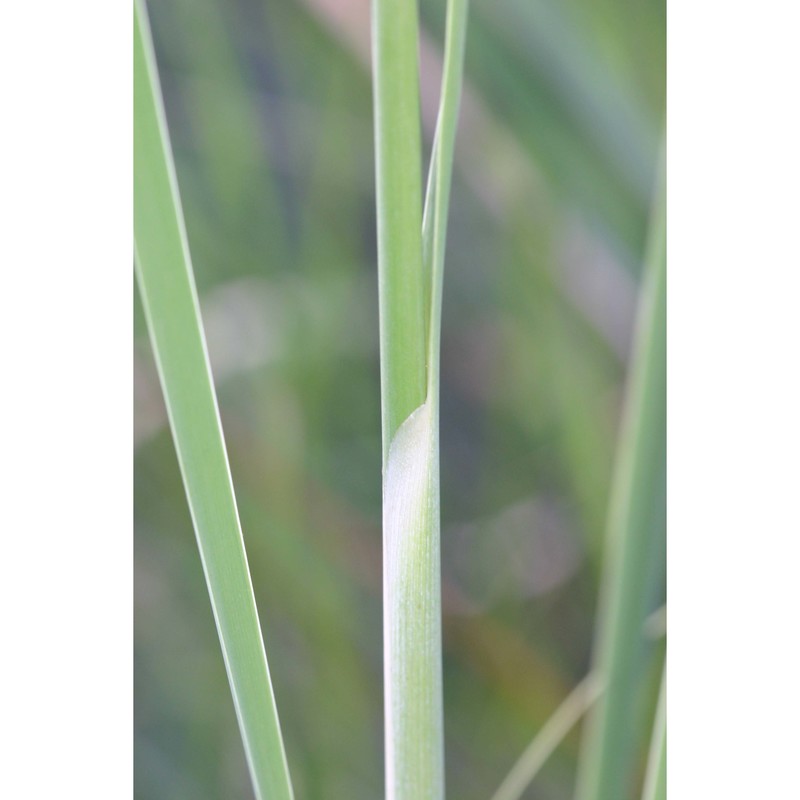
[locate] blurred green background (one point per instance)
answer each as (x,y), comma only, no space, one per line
(270,113)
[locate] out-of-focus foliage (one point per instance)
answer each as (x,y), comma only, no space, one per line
(269,108)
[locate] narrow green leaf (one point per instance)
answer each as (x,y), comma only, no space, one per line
(166,283)
(655,781)
(398,159)
(437,201)
(636,525)
(551,735)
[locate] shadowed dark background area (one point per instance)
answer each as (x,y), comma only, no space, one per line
(270,114)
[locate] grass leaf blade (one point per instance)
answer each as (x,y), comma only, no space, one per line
(636,522)
(166,283)
(437,201)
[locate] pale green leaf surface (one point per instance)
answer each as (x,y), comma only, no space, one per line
(412,613)
(166,284)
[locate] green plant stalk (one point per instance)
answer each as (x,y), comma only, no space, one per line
(633,534)
(655,781)
(412,591)
(166,283)
(398,158)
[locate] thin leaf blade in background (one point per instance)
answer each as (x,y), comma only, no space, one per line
(548,739)
(166,283)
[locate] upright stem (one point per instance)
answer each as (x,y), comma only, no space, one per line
(410,285)
(411,606)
